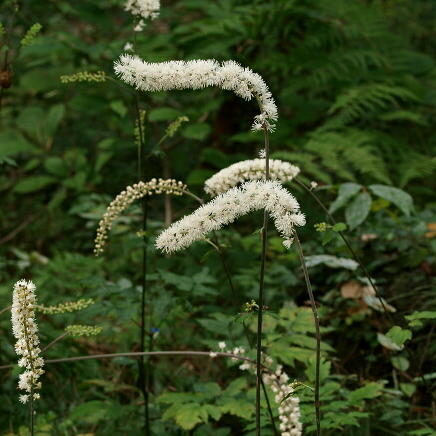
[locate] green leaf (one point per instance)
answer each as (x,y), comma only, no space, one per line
(408,388)
(119,107)
(400,363)
(339,227)
(198,131)
(388,343)
(54,117)
(346,191)
(56,166)
(371,390)
(11,142)
(32,184)
(398,335)
(357,211)
(400,198)
(416,317)
(163,114)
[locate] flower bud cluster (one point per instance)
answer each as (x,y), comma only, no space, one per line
(227,207)
(84,76)
(77,330)
(126,198)
(69,306)
(278,381)
(25,331)
(253,169)
(198,74)
(143,10)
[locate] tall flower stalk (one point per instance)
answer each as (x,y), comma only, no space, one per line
(25,331)
(261,291)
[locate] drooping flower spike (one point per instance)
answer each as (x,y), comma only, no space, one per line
(25,331)
(278,381)
(126,198)
(245,170)
(227,207)
(198,74)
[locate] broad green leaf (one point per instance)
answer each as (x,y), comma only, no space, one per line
(11,142)
(54,117)
(238,407)
(408,388)
(400,198)
(56,166)
(388,343)
(416,317)
(163,114)
(398,335)
(198,131)
(358,210)
(367,392)
(32,184)
(346,191)
(400,363)
(119,107)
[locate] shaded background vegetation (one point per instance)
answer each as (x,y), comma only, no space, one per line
(355,85)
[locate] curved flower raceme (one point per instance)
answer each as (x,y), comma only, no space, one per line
(25,331)
(227,207)
(278,381)
(126,198)
(144,10)
(198,74)
(253,169)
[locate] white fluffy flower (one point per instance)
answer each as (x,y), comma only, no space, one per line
(253,169)
(198,74)
(126,198)
(227,207)
(146,9)
(25,332)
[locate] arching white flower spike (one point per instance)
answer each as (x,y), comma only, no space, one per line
(253,169)
(126,198)
(198,74)
(229,206)
(25,331)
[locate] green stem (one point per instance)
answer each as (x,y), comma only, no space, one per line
(317,334)
(261,292)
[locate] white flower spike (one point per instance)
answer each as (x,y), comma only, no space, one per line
(229,206)
(25,331)
(245,170)
(198,74)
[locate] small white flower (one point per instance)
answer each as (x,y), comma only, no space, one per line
(262,154)
(221,345)
(212,354)
(23,398)
(147,9)
(313,185)
(128,46)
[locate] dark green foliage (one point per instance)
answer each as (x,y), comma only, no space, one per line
(355,83)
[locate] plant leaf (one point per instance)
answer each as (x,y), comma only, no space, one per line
(357,211)
(400,198)
(346,191)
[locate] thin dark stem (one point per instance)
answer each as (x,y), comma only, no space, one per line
(273,422)
(361,265)
(317,334)
(32,413)
(347,243)
(54,341)
(145,353)
(143,367)
(5,309)
(261,292)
